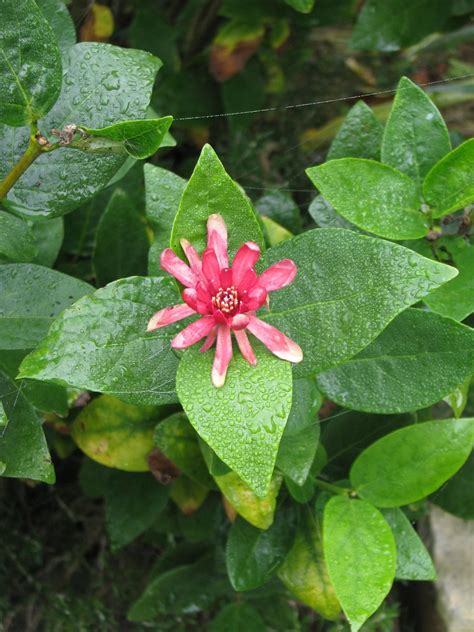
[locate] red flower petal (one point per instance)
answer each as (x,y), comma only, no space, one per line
(240,321)
(211,269)
(210,340)
(226,278)
(254,298)
(222,357)
(169,315)
(245,347)
(217,238)
(192,256)
(275,340)
(245,259)
(278,275)
(193,332)
(248,281)
(173,264)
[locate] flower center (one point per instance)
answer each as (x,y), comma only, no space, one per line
(227,300)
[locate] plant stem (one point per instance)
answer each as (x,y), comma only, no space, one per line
(334,489)
(31,154)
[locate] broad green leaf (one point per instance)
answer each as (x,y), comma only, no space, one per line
(304,571)
(415,136)
(60,20)
(449,185)
(274,233)
(177,439)
(372,196)
(456,495)
(17,242)
(103,85)
(388,25)
(242,421)
(140,139)
(416,361)
(204,523)
(326,216)
(411,463)
(30,298)
(253,555)
(257,510)
(303,6)
(211,190)
(359,549)
(413,560)
(101,344)
(121,244)
(235,617)
(48,238)
(116,434)
(133,503)
(183,589)
(214,464)
(349,287)
(456,298)
(301,435)
(163,191)
(30,64)
(23,449)
(360,135)
(187,494)
(281,208)
(93,478)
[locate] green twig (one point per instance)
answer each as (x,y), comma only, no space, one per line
(334,489)
(32,152)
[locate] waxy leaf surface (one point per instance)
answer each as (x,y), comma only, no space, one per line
(415,362)
(373,196)
(101,344)
(17,241)
(359,549)
(411,463)
(360,136)
(242,421)
(348,288)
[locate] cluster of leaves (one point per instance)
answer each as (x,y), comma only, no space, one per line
(318,508)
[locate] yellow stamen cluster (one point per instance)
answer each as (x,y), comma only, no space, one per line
(227,300)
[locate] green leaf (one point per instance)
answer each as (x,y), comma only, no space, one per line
(101,344)
(163,191)
(388,25)
(303,6)
(359,549)
(304,571)
(415,362)
(30,64)
(183,589)
(348,289)
(257,510)
(60,20)
(415,136)
(413,560)
(281,208)
(23,449)
(48,238)
(326,215)
(456,298)
(360,135)
(121,245)
(177,439)
(449,185)
(140,139)
(3,420)
(211,190)
(187,494)
(242,421)
(17,242)
(456,495)
(372,196)
(116,434)
(301,435)
(253,555)
(236,617)
(102,85)
(133,503)
(411,463)
(458,398)
(30,298)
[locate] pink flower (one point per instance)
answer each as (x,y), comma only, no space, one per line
(226,298)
